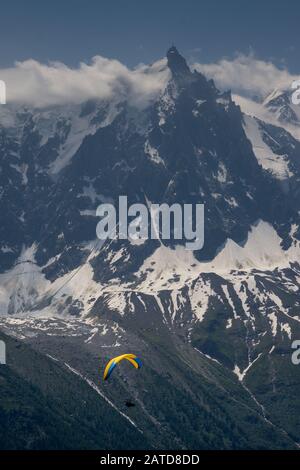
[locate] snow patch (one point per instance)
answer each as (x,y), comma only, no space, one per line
(275,164)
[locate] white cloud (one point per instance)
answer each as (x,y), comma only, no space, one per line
(33,83)
(247,75)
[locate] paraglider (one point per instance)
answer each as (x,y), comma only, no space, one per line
(132,358)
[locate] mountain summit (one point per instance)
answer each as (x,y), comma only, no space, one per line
(176,63)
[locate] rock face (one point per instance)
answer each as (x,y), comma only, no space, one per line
(280,103)
(232,307)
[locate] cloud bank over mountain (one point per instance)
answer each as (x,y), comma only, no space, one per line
(246,75)
(33,83)
(37,84)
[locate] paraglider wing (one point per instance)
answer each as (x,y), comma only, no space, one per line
(132,358)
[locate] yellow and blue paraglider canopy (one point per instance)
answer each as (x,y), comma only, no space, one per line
(132,358)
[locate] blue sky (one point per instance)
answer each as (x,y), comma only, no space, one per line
(140,31)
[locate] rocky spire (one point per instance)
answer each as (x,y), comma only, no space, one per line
(177,64)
